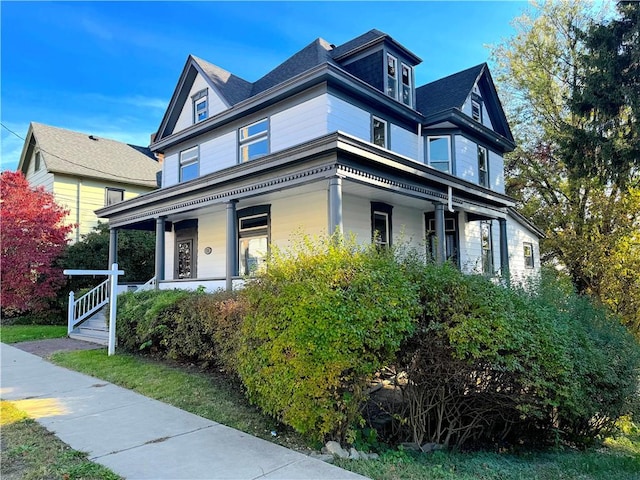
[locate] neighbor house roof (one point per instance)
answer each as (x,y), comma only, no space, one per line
(448,92)
(84,155)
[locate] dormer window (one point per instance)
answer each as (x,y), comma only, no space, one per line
(200,106)
(392,76)
(399,86)
(407,95)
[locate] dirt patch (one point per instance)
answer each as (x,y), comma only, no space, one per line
(44,348)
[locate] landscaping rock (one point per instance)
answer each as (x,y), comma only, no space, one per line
(353,454)
(334,448)
(431,447)
(413,446)
(324,457)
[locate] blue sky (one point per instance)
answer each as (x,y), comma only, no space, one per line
(109,68)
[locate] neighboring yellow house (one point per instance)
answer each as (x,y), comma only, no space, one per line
(86,172)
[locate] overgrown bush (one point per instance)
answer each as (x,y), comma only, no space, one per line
(144,320)
(605,363)
(322,318)
(491,364)
(206,329)
(182,325)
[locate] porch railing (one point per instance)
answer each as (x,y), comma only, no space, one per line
(87,304)
(149,285)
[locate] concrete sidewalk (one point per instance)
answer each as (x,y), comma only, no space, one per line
(138,437)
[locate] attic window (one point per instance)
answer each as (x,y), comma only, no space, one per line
(476,111)
(200,106)
(36,166)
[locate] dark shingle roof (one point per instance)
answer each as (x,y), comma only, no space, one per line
(316,53)
(357,43)
(449,92)
(233,88)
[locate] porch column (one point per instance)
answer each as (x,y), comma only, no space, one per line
(113,247)
(504,250)
(440,237)
(335,205)
(232,244)
(160,224)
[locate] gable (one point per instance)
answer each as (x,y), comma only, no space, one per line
(214,103)
(457,91)
(223,90)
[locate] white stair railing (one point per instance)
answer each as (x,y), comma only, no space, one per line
(86,305)
(149,285)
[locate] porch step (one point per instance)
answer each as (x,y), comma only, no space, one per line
(95,329)
(99,339)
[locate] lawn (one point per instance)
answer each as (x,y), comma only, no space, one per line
(209,395)
(24,333)
(213,396)
(30,452)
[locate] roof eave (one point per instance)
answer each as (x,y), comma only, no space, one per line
(318,74)
(455,116)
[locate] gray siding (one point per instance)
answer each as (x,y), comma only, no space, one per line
(300,123)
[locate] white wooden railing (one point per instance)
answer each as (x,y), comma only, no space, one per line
(87,304)
(149,285)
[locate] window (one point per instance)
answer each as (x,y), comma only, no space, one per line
(407,94)
(113,195)
(253,238)
(188,164)
(36,165)
(439,153)
(528,255)
(379,132)
(450,236)
(200,106)
(487,247)
(476,111)
(392,76)
(254,140)
(483,168)
(381,224)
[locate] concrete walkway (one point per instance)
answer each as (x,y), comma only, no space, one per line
(138,437)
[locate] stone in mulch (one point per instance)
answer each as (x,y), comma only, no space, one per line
(44,348)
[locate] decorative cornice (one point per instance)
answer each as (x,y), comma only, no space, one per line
(238,193)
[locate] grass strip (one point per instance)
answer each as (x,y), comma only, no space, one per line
(214,397)
(208,395)
(25,333)
(31,452)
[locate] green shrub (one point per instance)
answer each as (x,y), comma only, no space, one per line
(492,364)
(182,325)
(605,363)
(144,319)
(322,318)
(206,329)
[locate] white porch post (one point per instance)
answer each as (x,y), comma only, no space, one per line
(335,205)
(440,235)
(113,246)
(160,224)
(113,307)
(232,245)
(504,251)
